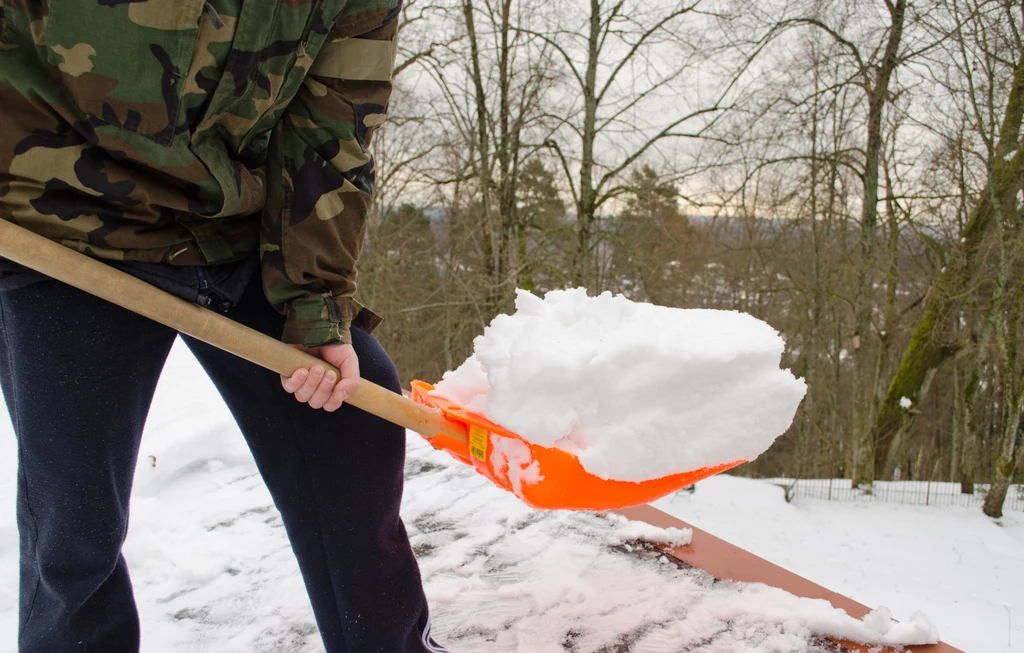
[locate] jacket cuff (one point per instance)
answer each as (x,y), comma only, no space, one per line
(318,320)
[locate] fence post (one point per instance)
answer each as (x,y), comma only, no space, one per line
(928,492)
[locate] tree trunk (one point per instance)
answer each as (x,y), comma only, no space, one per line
(969,465)
(817,303)
(505,155)
(586,208)
(1006,467)
(483,165)
(957,436)
(866,350)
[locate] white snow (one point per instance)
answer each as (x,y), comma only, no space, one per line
(626,531)
(505,577)
(516,457)
(636,391)
(953,563)
(213,572)
(905,403)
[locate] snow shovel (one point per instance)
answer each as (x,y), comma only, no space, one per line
(543,477)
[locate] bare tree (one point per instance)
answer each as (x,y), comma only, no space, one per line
(626,63)
(828,171)
(932,343)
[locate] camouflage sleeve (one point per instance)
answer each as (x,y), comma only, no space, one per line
(321,176)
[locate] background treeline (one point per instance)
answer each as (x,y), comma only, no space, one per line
(850,171)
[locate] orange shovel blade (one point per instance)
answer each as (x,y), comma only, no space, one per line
(544,477)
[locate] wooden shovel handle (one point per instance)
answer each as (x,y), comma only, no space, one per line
(96,278)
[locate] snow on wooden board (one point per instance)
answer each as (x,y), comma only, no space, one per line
(213,571)
(726,561)
(963,569)
(504,577)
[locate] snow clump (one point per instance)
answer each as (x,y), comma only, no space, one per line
(634,390)
(627,530)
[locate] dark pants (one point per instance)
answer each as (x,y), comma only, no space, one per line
(78,375)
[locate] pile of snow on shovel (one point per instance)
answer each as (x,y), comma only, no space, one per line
(634,390)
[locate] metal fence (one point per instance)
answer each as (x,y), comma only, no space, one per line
(922,493)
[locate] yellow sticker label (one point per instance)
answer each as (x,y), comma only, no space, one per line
(478,443)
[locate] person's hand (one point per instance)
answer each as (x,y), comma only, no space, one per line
(320,388)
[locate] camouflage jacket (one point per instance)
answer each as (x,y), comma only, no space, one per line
(193,133)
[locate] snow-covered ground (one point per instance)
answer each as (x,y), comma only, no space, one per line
(213,571)
(964,570)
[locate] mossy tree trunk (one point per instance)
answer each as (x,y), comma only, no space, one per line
(932,343)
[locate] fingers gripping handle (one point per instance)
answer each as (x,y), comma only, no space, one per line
(96,278)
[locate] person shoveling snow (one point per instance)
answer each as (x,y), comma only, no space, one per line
(220,151)
(645,399)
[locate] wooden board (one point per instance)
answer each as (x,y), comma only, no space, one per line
(725,561)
